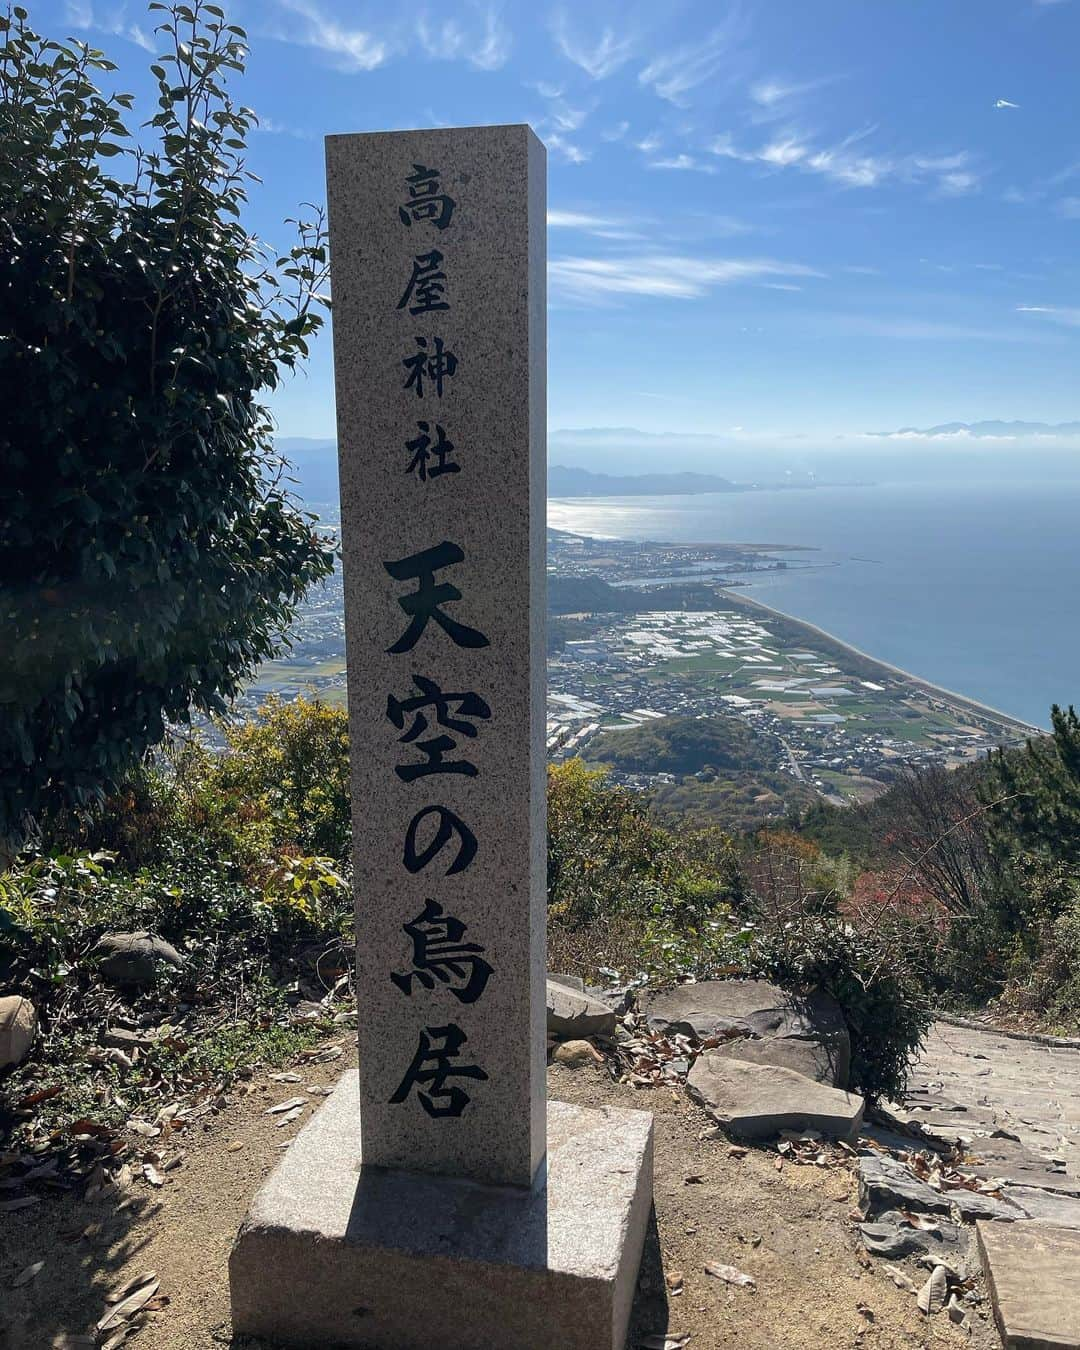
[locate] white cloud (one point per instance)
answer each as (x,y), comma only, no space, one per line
(486,48)
(680,162)
(599,56)
(674,74)
(666,276)
(653,141)
(80,14)
(1062,314)
(774,98)
(565,118)
(577,220)
(848,166)
(350,49)
(783,152)
(573,154)
(273,127)
(956,184)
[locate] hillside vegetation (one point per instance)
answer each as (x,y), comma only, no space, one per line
(727,770)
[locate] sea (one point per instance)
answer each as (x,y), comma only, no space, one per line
(972,585)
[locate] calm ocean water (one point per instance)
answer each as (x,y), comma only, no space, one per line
(973,586)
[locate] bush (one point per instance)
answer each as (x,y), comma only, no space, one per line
(679,904)
(150,557)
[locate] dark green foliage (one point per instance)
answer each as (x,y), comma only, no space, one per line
(682,745)
(728,770)
(1039,791)
(149,556)
(628,894)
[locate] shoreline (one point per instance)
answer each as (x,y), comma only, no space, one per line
(984,709)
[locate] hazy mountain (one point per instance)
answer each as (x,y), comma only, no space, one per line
(315,466)
(1011,430)
(570,482)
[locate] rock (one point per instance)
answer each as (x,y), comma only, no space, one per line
(885,1183)
(1033,1273)
(570,981)
(807,1034)
(572,1015)
(757,1100)
(126,1040)
(973,1206)
(892,1236)
(134,958)
(1050,1206)
(575,1054)
(18,1027)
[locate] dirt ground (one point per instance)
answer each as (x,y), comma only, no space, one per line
(788,1229)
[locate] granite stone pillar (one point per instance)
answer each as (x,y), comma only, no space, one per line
(418,1208)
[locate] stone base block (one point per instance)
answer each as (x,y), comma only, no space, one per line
(336,1255)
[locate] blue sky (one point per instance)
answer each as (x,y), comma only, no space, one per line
(774,222)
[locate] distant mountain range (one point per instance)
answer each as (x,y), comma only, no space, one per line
(1010,430)
(315,474)
(569,482)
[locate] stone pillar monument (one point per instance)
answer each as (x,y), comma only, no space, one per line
(440,1201)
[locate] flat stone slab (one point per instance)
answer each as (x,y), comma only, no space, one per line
(888,1184)
(338,1256)
(1033,1273)
(573,1014)
(757,1101)
(769,1025)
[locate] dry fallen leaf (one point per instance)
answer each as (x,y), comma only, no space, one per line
(693,1179)
(290,1116)
(286,1078)
(290,1105)
(900,1279)
(235,1146)
(25,1276)
(729,1274)
(129,1286)
(129,1306)
(674,1281)
(934,1292)
(663,1342)
(152,1175)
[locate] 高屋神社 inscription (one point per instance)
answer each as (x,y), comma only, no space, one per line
(437,1198)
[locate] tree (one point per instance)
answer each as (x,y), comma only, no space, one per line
(1040,814)
(150,556)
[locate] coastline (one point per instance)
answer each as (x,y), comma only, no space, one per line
(951,695)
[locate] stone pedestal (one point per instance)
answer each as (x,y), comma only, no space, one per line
(334,1254)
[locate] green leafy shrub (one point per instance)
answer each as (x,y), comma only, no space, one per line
(150,557)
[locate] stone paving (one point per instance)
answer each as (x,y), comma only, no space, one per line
(1014,1106)
(972,1085)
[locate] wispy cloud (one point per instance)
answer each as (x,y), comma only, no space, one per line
(682,162)
(580,220)
(615,133)
(777,98)
(272,127)
(849,165)
(569,150)
(1062,314)
(485,44)
(660,275)
(349,49)
(598,55)
(674,74)
(81,14)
